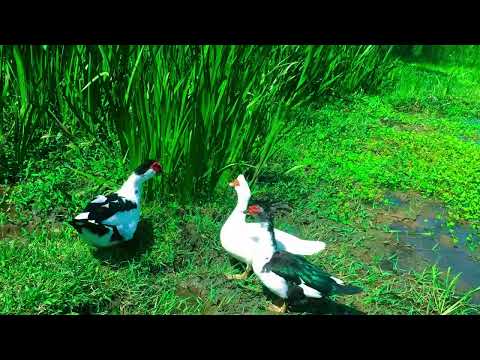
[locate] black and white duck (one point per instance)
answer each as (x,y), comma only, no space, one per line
(113,218)
(289,276)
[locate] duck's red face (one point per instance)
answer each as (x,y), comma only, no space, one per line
(156,167)
(147,166)
(254,210)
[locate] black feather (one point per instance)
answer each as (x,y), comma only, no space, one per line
(94,228)
(97,229)
(142,169)
(295,269)
(98,211)
(271,207)
(347,289)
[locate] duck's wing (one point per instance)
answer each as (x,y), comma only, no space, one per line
(95,228)
(298,270)
(89,225)
(295,245)
(104,207)
(288,242)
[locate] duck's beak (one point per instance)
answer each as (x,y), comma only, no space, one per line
(234,183)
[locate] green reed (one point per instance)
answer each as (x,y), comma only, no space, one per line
(200,110)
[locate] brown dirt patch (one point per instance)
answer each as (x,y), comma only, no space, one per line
(404,126)
(9,230)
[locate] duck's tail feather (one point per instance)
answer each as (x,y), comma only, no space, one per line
(77,224)
(347,289)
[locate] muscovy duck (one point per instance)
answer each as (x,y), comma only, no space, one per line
(110,219)
(239,238)
(289,276)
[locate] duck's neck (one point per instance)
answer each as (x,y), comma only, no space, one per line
(242,203)
(132,188)
(238,213)
(268,223)
(268,244)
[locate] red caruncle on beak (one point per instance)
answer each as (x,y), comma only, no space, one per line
(156,167)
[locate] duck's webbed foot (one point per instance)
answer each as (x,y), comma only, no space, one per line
(242,276)
(278,309)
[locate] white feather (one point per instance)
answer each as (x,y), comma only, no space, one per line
(310,292)
(125,221)
(239,238)
(273,282)
(264,251)
(290,243)
(338,281)
(99,199)
(94,239)
(82,216)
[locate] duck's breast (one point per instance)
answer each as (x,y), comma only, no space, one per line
(237,242)
(273,282)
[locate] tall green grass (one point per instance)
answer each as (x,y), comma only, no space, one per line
(201,110)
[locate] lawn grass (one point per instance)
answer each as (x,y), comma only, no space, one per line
(334,169)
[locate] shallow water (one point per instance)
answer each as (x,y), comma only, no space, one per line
(428,235)
(467,139)
(473,123)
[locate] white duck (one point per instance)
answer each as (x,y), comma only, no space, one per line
(239,238)
(111,219)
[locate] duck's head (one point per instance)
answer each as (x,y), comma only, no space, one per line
(262,213)
(148,169)
(255,210)
(265,209)
(241,187)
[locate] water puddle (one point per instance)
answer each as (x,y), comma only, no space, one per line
(468,139)
(474,124)
(421,225)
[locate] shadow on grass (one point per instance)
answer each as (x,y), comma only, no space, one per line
(324,307)
(119,255)
(309,306)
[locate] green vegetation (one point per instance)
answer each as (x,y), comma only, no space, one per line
(198,109)
(328,129)
(466,55)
